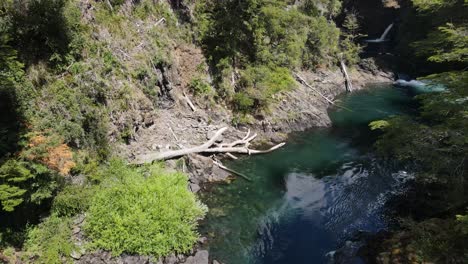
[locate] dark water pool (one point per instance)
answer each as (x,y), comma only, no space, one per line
(306,200)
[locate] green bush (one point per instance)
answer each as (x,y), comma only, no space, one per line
(200,87)
(50,241)
(243,102)
(150,215)
(322,44)
(259,84)
(72,200)
(25,182)
(262,39)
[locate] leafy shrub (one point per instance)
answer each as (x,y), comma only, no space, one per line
(322,43)
(50,241)
(25,182)
(72,200)
(200,87)
(243,101)
(260,84)
(152,215)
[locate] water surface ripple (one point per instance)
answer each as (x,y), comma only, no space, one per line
(310,198)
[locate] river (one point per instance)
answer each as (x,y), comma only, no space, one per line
(322,190)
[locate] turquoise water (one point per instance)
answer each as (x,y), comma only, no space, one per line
(307,199)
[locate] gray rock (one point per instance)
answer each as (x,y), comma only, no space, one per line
(171,259)
(201,257)
(194,187)
(211,133)
(79,219)
(202,240)
(202,169)
(76,230)
(75,255)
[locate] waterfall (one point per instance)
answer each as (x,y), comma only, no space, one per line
(420,86)
(385,33)
(382,37)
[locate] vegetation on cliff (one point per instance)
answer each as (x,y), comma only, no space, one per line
(436,140)
(255,44)
(75,76)
(62,80)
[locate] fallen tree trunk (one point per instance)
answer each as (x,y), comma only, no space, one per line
(349,85)
(238,146)
(308,85)
(189,102)
(219,164)
(317,91)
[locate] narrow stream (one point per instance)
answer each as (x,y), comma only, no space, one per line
(324,188)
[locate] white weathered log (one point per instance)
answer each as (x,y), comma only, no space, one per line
(349,85)
(173,134)
(207,147)
(231,156)
(189,102)
(219,164)
(242,150)
(109,5)
(160,21)
(303,81)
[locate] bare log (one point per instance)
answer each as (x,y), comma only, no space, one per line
(189,102)
(231,156)
(349,85)
(109,5)
(328,100)
(242,150)
(207,147)
(219,164)
(160,21)
(317,91)
(173,134)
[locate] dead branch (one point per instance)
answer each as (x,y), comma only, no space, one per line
(238,146)
(219,164)
(109,5)
(349,85)
(160,21)
(173,134)
(189,102)
(308,85)
(231,156)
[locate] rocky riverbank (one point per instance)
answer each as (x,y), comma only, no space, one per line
(179,127)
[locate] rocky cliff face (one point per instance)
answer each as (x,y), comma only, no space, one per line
(374,16)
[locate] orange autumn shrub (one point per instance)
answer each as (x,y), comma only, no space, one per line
(55,155)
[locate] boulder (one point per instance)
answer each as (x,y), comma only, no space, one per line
(201,257)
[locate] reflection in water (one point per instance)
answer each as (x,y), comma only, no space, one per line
(310,197)
(334,206)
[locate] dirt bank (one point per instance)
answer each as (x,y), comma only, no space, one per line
(178,126)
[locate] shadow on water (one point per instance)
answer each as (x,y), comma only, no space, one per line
(307,199)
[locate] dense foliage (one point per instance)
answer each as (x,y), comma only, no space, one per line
(50,242)
(434,31)
(154,214)
(272,37)
(63,76)
(436,140)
